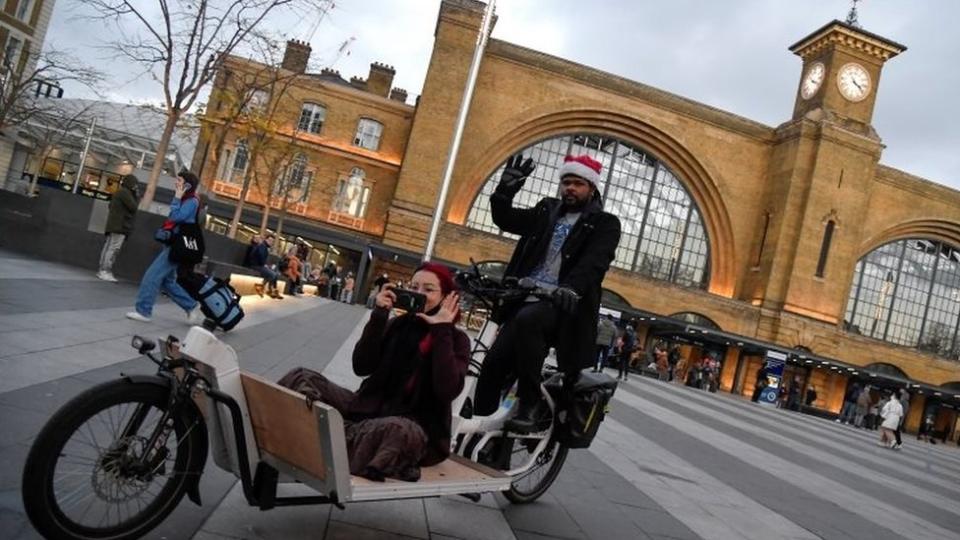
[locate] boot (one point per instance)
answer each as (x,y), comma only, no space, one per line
(529,418)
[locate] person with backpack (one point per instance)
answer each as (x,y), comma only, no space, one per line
(162,273)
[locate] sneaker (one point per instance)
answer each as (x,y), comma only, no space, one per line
(837,421)
(195,316)
(897,446)
(137,316)
(106,276)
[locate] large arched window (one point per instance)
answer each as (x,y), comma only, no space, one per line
(908,292)
(662,237)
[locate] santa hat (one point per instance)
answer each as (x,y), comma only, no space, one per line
(583,166)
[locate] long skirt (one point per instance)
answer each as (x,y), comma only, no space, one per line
(377,448)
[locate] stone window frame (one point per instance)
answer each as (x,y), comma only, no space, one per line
(369,133)
(311,123)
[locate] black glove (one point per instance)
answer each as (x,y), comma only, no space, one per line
(566,299)
(515,173)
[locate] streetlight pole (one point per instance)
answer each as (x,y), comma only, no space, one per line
(458,129)
(83,155)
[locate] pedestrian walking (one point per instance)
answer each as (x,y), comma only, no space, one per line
(904,398)
(123,211)
(606,334)
(849,411)
(346,295)
(291,270)
(162,273)
(892,413)
(626,350)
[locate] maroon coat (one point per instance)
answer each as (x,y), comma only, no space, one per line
(426,395)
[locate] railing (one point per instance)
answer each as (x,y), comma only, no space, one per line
(345,220)
(227,188)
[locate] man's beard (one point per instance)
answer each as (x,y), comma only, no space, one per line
(572,204)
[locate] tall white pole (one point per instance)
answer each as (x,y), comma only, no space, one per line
(83,155)
(458,129)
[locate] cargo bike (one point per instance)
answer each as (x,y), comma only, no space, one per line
(117,459)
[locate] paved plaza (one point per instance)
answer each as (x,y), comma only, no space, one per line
(669,462)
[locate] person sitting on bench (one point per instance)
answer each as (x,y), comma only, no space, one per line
(415,365)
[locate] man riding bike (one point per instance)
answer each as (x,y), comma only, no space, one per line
(566,245)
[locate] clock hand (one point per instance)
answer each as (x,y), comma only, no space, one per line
(857,85)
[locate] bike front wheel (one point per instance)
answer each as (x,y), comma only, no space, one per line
(531,484)
(111,464)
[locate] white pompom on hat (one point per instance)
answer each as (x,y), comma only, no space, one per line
(582,166)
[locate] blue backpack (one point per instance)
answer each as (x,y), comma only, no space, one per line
(219,302)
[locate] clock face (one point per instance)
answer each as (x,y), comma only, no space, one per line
(853,82)
(812,80)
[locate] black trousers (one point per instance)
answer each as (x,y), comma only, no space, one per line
(517,354)
(624,366)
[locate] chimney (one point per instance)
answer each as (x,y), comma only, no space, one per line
(380,79)
(296,56)
(398,94)
(358,83)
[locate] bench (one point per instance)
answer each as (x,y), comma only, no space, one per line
(305,443)
(244,279)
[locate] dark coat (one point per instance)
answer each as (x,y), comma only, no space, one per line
(123,207)
(587,253)
(427,395)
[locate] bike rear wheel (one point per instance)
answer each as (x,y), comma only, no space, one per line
(110,464)
(530,485)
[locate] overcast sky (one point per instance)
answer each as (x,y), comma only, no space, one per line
(730,54)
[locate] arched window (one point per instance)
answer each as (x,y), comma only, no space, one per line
(908,292)
(662,232)
(883,368)
(298,179)
(233,163)
(696,318)
(353,194)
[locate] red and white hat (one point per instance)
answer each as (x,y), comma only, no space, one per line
(583,166)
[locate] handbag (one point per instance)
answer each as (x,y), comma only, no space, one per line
(163,234)
(186,244)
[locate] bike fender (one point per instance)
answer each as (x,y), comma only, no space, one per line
(199,458)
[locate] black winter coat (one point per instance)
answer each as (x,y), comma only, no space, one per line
(587,254)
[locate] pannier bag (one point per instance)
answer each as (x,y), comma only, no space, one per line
(582,411)
(219,302)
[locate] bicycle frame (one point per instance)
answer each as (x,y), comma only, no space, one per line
(492,426)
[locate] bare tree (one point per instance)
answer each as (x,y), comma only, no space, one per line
(183,43)
(240,109)
(25,78)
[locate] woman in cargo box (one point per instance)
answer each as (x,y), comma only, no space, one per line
(414,366)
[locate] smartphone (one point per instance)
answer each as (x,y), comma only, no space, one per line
(409,301)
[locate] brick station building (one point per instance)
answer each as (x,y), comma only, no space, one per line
(738,237)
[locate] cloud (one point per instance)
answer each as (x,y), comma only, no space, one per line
(731,55)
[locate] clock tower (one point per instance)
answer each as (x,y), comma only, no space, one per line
(821,176)
(841,71)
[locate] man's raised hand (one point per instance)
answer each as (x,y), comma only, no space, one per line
(514,174)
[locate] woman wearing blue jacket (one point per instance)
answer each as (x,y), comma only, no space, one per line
(162,273)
